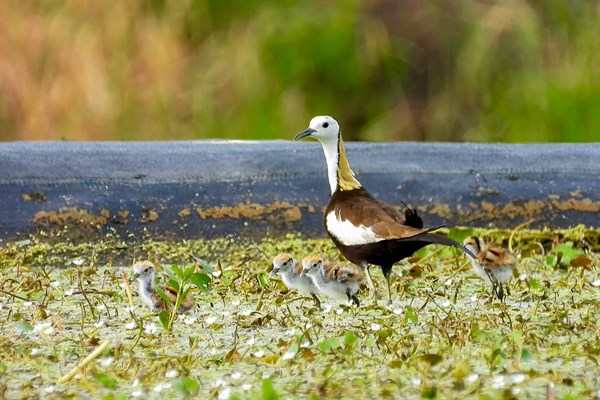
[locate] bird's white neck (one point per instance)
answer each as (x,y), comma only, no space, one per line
(339,173)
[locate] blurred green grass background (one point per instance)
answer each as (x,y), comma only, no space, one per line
(431,70)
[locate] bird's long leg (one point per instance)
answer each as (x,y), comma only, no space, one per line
(317,301)
(370,284)
(387,271)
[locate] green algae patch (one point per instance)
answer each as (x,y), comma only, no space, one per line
(65,308)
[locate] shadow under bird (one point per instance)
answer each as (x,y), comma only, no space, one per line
(494,265)
(143,272)
(290,272)
(365,229)
(336,281)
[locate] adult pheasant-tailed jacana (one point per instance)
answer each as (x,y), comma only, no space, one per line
(364,229)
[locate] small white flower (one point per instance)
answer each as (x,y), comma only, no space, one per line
(416,381)
(172,373)
(596,283)
(137,393)
(266,375)
(150,329)
(498,382)
(472,378)
(107,361)
(523,277)
(226,313)
(162,386)
(188,320)
(259,353)
(78,261)
(245,313)
(447,303)
(216,273)
(375,327)
(339,311)
(44,327)
(515,391)
(99,324)
(326,308)
(128,309)
(69,292)
(518,378)
(246,386)
(309,325)
(135,382)
(251,341)
(398,311)
(213,352)
(50,389)
(28,303)
(210,320)
(35,351)
(55,284)
(235,303)
(225,393)
(448,282)
(474,298)
(290,332)
(218,383)
(289,354)
(131,325)
(236,375)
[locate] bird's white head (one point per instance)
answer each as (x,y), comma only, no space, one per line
(143,271)
(323,128)
(282,263)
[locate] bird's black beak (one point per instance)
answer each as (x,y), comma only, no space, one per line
(304,134)
(135,276)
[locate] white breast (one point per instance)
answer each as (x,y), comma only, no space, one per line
(349,234)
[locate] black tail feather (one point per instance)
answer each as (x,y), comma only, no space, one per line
(439,239)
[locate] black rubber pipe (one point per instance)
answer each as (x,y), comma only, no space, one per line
(204,189)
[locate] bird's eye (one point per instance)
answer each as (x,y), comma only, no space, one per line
(146,269)
(326,124)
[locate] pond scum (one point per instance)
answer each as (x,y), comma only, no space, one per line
(68,330)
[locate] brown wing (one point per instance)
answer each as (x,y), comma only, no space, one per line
(360,208)
(159,302)
(330,270)
(348,273)
(410,217)
(495,257)
(297,268)
(171,293)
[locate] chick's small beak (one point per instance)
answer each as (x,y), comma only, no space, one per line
(304,133)
(135,275)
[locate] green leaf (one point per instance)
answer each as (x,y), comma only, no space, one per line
(526,355)
(201,281)
(186,385)
(188,272)
(163,317)
(268,392)
(350,339)
(178,272)
(330,344)
(163,296)
(174,284)
(106,380)
(24,326)
(411,314)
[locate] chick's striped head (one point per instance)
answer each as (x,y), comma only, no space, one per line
(282,263)
(143,270)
